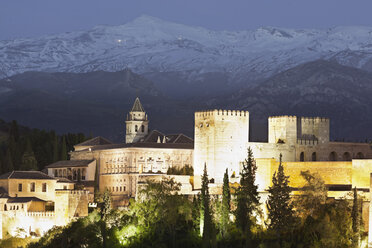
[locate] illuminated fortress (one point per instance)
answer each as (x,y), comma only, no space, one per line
(221,140)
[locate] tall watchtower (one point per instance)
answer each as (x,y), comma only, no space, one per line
(220,142)
(137,123)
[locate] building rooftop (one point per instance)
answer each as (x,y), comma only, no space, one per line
(23,199)
(137,106)
(26,175)
(95,141)
(145,145)
(158,137)
(70,163)
(64,180)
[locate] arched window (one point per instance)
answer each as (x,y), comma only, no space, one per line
(136,128)
(333,156)
(143,128)
(302,156)
(346,156)
(360,155)
(313,156)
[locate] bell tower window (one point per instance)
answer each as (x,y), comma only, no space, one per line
(136,128)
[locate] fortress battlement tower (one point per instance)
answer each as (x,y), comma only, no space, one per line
(220,142)
(304,130)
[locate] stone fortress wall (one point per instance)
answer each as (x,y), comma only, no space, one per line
(221,141)
(220,136)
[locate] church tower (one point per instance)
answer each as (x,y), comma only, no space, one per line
(137,123)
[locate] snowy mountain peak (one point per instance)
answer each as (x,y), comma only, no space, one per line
(151,45)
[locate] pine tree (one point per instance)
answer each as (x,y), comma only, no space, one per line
(356,219)
(207,239)
(63,149)
(55,149)
(279,205)
(225,207)
(247,195)
(8,163)
(28,159)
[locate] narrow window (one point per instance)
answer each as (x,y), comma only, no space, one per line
(302,156)
(32,187)
(44,187)
(20,187)
(143,128)
(135,128)
(313,156)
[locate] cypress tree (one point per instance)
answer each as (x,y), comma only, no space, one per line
(207,216)
(15,151)
(247,195)
(28,159)
(63,149)
(356,219)
(225,207)
(279,205)
(55,149)
(8,163)
(14,131)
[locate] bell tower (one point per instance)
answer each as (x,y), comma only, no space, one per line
(137,123)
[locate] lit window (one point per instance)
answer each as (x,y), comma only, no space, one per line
(20,187)
(32,187)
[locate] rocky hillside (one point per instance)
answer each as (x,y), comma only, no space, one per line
(318,88)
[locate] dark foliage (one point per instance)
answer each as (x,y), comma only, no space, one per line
(22,148)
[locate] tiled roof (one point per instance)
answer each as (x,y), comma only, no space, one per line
(63,180)
(70,163)
(146,145)
(155,135)
(95,141)
(137,106)
(26,175)
(23,199)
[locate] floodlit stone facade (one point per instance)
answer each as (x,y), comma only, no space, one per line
(32,202)
(222,140)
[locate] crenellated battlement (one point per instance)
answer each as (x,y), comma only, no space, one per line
(40,214)
(220,112)
(282,118)
(315,119)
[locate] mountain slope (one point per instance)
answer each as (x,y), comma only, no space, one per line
(94,102)
(178,54)
(318,88)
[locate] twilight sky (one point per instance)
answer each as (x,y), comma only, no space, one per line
(28,18)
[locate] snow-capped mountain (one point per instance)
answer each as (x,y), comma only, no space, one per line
(148,45)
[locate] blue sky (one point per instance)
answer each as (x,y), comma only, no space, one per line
(28,18)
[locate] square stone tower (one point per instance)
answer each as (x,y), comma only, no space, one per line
(220,142)
(283,129)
